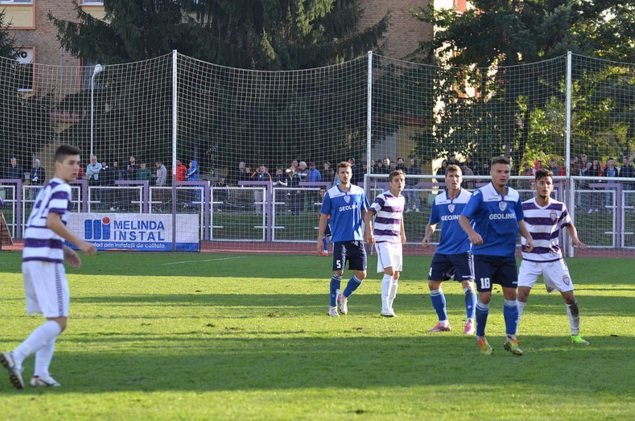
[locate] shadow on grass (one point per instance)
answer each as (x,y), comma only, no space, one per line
(366,301)
(219,364)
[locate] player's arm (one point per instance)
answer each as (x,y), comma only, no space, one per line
(430,229)
(573,233)
(403,232)
(321,229)
(368,226)
(475,237)
(529,241)
(55,224)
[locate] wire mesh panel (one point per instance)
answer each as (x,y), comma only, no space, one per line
(246,150)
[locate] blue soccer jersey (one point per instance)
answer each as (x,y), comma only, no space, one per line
(346,210)
(495,218)
(447,211)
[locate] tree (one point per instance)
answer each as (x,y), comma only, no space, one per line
(7,43)
(494,38)
(252,34)
(258,34)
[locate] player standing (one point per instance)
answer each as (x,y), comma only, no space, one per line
(492,219)
(452,257)
(544,218)
(389,235)
(45,284)
(347,206)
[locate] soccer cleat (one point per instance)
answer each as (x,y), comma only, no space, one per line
(511,345)
(325,252)
(470,329)
(15,374)
(333,312)
(440,327)
(388,313)
(342,304)
(484,346)
(579,340)
(37,381)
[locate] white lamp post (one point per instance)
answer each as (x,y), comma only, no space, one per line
(98,68)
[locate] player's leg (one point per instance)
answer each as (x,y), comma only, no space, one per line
(384,266)
(527,276)
(463,273)
(483,274)
(558,276)
(46,291)
(507,277)
(440,270)
(392,294)
(357,260)
(396,264)
(339,257)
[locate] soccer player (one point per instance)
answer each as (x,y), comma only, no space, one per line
(45,284)
(452,257)
(347,206)
(492,219)
(544,218)
(389,235)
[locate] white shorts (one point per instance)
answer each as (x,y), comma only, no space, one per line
(555,274)
(389,255)
(46,289)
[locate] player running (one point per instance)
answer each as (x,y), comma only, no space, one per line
(544,218)
(347,206)
(452,257)
(389,235)
(492,219)
(45,281)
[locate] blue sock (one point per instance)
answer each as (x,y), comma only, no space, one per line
(510,312)
(335,289)
(352,285)
(482,310)
(470,302)
(439,304)
(325,243)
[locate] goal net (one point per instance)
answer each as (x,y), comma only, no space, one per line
(248,153)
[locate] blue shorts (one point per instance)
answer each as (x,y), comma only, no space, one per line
(352,251)
(448,266)
(499,270)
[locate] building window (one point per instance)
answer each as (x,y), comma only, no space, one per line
(16,1)
(24,71)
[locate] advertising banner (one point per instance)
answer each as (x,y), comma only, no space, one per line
(141,232)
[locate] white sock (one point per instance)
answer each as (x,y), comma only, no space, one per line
(385,292)
(43,359)
(393,293)
(521,308)
(36,340)
(574,318)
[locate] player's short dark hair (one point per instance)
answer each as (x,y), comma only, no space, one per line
(343,164)
(500,160)
(543,173)
(453,168)
(63,151)
(395,173)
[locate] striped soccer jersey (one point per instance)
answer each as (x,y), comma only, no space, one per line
(544,224)
(40,242)
(388,211)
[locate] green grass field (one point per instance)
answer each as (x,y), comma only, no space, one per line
(189,336)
